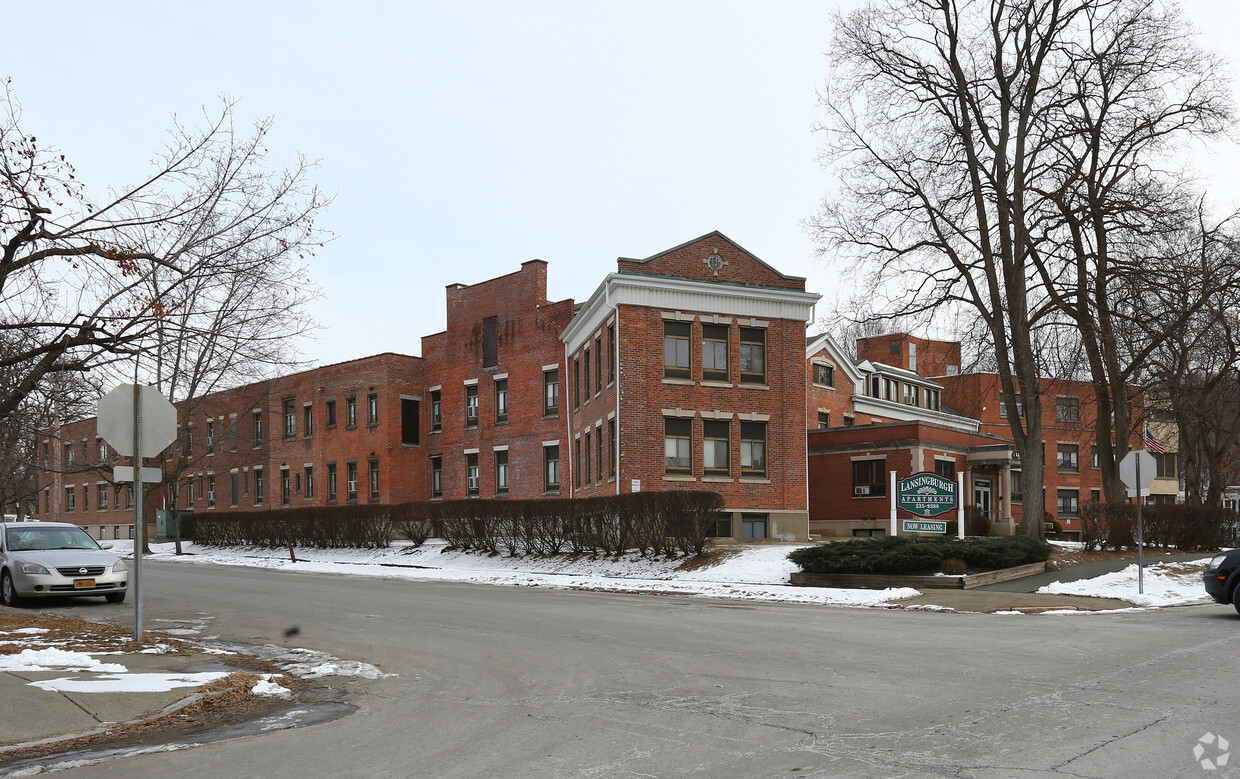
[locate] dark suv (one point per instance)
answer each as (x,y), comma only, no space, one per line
(1222,578)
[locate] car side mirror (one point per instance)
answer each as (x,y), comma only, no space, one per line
(105,546)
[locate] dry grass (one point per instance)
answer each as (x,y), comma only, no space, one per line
(76,635)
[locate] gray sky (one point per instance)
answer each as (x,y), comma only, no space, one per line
(461,139)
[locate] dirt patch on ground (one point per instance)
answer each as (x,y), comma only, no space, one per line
(707,559)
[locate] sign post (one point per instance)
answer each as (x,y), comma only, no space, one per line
(138,422)
(1137,471)
(892,492)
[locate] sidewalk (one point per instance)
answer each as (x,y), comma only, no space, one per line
(983,600)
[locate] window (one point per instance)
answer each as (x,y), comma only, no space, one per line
(1067,460)
(501,472)
(331,482)
(210,436)
(46,455)
(676,350)
(410,421)
(576,383)
(824,375)
(677,435)
(307,420)
(285,484)
(101,502)
(1166,464)
(1095,495)
(551,393)
(551,468)
(210,492)
(85,499)
(754,525)
(945,468)
(1067,410)
(331,414)
(585,463)
(715,352)
(232,432)
(128,496)
(891,390)
(1068,506)
(69,456)
(753,355)
(350,412)
(374,479)
(585,361)
(436,477)
(824,420)
(753,448)
(189,441)
(501,401)
(233,484)
(471,474)
(850,420)
(258,487)
(490,342)
(193,494)
(471,405)
(912,395)
(869,478)
(350,483)
(258,428)
(716,447)
(598,365)
(598,442)
(611,440)
(577,460)
(103,450)
(290,418)
(309,482)
(69,499)
(1094,461)
(1003,409)
(933,399)
(436,411)
(1017,495)
(611,354)
(372,410)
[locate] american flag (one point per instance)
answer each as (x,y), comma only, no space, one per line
(1152,444)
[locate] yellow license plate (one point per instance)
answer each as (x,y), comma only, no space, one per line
(83,583)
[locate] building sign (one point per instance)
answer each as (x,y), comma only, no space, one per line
(923,526)
(927,495)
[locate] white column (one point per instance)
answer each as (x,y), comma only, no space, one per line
(891,494)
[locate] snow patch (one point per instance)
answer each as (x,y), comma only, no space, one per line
(1165,584)
(52,659)
(123,682)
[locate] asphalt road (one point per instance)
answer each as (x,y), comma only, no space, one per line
(517,682)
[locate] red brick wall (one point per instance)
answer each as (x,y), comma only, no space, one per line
(933,357)
(528,338)
(836,400)
(645,394)
(688,261)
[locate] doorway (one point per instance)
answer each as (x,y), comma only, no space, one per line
(982,495)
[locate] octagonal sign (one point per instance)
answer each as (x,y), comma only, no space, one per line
(115,422)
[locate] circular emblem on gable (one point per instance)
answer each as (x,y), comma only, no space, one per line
(715,262)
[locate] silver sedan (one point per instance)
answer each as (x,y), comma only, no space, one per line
(51,559)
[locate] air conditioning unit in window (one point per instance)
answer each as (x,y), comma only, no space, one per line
(910,400)
(861,490)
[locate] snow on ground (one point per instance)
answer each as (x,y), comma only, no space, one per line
(127,682)
(757,572)
(1165,584)
(51,659)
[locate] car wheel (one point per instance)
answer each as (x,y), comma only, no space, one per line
(1235,598)
(115,597)
(8,593)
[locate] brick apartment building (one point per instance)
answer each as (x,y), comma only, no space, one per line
(683,371)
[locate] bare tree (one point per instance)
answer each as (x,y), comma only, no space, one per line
(87,284)
(998,157)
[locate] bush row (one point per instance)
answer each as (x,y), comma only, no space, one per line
(912,556)
(653,523)
(1185,527)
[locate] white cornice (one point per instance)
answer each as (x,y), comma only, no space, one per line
(888,409)
(631,289)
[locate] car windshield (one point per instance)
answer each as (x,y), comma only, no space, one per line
(35,538)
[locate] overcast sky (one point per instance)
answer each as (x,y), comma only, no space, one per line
(462,139)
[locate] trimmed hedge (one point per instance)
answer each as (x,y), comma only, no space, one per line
(1185,527)
(912,556)
(654,523)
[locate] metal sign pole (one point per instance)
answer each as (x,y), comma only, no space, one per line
(139,532)
(1140,537)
